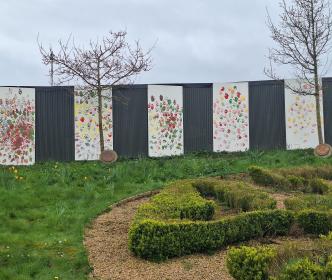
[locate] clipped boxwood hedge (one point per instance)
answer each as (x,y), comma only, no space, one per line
(178,222)
(250,263)
(178,201)
(159,240)
(256,263)
(315,222)
(236,195)
(303,269)
(308,172)
(294,179)
(309,201)
(266,177)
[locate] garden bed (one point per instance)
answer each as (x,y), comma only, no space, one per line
(45,208)
(106,241)
(181,220)
(107,244)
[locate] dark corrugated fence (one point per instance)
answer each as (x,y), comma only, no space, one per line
(55,124)
(267,115)
(55,131)
(327,105)
(130,121)
(197,117)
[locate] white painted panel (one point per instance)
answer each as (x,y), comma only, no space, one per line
(87,140)
(17,126)
(165,120)
(230,117)
(301,123)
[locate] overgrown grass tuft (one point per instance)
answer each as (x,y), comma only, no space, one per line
(45,208)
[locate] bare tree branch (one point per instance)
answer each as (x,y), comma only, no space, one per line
(105,63)
(303,42)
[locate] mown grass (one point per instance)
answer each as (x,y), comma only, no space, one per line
(45,208)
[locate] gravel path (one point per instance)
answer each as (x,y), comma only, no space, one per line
(107,245)
(280,198)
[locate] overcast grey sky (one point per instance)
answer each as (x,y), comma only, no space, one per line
(198,40)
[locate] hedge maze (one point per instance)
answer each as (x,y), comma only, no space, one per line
(182,219)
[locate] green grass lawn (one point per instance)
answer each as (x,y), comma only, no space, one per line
(45,208)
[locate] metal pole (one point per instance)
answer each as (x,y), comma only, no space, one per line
(52,71)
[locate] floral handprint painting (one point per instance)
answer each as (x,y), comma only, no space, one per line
(87,143)
(17,126)
(301,123)
(165,117)
(230,117)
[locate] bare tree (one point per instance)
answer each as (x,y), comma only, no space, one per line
(105,63)
(303,42)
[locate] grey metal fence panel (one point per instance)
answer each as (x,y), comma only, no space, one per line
(327,105)
(267,115)
(55,131)
(130,121)
(55,139)
(198,118)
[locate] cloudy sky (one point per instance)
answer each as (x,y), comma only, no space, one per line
(197,40)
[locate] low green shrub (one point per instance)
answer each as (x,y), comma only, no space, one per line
(183,200)
(315,222)
(283,180)
(328,269)
(159,240)
(176,221)
(179,200)
(250,263)
(266,177)
(296,203)
(316,202)
(271,262)
(308,172)
(297,183)
(302,270)
(318,186)
(317,250)
(327,237)
(236,195)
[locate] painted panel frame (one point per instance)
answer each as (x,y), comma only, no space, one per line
(230,117)
(165,120)
(17,126)
(87,140)
(300,113)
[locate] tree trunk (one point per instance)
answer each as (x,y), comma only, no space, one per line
(100,120)
(318,110)
(317,85)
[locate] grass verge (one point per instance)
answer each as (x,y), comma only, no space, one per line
(45,208)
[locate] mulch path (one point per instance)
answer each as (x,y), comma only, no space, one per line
(107,245)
